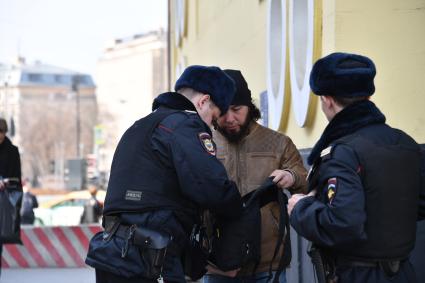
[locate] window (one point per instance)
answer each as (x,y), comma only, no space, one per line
(33,77)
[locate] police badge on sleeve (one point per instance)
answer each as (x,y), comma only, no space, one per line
(332,185)
(207,143)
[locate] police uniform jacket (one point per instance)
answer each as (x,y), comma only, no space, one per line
(367,177)
(179,175)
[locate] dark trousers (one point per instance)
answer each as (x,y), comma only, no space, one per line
(1,251)
(108,277)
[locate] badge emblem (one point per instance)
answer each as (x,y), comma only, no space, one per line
(331,189)
(207,143)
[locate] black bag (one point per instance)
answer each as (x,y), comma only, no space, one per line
(129,251)
(10,205)
(237,243)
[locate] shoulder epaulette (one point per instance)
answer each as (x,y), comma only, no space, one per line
(326,153)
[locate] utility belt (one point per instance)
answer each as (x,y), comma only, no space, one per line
(325,264)
(130,250)
(145,238)
(390,267)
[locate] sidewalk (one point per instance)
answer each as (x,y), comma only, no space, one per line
(47,275)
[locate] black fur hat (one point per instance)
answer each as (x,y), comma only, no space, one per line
(343,74)
(210,80)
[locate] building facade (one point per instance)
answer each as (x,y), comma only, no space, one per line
(130,74)
(275,43)
(52,112)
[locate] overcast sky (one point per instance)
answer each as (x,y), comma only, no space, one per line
(72,33)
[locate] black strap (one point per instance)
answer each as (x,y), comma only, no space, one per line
(283,225)
(343,261)
(113,226)
(318,264)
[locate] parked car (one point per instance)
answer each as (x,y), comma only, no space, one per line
(65,210)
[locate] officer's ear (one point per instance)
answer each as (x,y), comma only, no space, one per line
(203,100)
(329,106)
(326,100)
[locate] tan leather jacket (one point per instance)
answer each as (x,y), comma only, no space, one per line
(249,163)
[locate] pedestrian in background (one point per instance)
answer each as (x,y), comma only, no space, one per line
(29,202)
(92,208)
(10,172)
(366,179)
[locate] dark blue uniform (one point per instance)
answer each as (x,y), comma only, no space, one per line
(367,178)
(163,178)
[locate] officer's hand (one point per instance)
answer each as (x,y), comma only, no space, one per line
(294,200)
(283,178)
(214,270)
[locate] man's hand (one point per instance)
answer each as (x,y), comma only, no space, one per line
(283,178)
(213,270)
(296,198)
(3,184)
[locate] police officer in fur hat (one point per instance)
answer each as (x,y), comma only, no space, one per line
(364,184)
(164,173)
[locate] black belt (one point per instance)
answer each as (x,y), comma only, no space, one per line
(390,267)
(341,261)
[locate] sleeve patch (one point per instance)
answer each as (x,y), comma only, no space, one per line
(332,186)
(207,143)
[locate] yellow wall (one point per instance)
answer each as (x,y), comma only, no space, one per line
(229,34)
(393,34)
(232,34)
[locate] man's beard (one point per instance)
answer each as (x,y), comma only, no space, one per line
(235,137)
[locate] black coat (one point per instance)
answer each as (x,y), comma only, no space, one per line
(10,162)
(10,167)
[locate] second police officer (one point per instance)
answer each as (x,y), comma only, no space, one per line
(366,176)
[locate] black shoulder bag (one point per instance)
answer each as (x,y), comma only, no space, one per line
(237,243)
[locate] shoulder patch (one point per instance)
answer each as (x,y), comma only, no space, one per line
(332,186)
(207,143)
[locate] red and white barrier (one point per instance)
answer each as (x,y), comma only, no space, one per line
(64,246)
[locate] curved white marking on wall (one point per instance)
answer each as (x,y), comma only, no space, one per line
(276,60)
(301,27)
(179,25)
(180,66)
